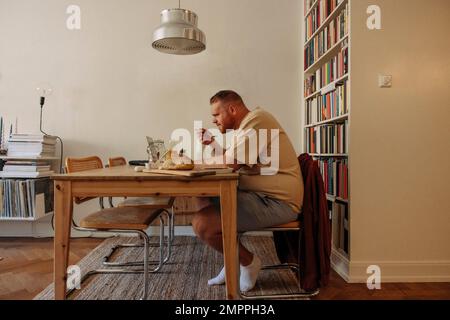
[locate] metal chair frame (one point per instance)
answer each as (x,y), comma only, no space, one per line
(145,271)
(146,243)
(292,266)
(106,258)
(171,224)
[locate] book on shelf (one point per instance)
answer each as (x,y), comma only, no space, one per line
(330,205)
(327,139)
(328,106)
(318,15)
(31,145)
(23,137)
(307,4)
(26,169)
(20,155)
(335,176)
(23,168)
(26,162)
(31,150)
(346,225)
(25,198)
(310,85)
(330,71)
(343,230)
(25,174)
(335,226)
(323,41)
(340,227)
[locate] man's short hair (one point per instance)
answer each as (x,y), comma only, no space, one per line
(226,96)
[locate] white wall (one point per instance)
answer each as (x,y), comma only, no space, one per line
(399,142)
(111,89)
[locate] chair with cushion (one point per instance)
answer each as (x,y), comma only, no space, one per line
(152,203)
(126,220)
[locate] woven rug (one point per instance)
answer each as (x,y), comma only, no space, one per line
(184,277)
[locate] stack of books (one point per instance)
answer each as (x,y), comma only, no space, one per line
(26,169)
(31,145)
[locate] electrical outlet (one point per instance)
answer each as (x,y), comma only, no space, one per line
(385,81)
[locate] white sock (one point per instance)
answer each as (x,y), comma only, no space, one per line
(219,279)
(249,274)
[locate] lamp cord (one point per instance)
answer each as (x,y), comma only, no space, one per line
(60,158)
(60,141)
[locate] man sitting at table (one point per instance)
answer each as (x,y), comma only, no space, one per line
(265,197)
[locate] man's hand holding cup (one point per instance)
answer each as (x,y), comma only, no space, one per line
(205,137)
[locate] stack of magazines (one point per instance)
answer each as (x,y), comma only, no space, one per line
(26,156)
(26,169)
(31,145)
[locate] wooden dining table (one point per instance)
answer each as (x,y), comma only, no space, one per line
(124,181)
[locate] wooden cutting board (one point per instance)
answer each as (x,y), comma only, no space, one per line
(185,173)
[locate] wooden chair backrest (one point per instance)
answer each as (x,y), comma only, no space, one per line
(83,164)
(118,161)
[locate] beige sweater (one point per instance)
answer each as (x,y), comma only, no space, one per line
(282,181)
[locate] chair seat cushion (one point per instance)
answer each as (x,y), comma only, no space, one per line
(289,225)
(147,202)
(126,218)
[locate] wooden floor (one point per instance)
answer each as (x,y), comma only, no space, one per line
(27,266)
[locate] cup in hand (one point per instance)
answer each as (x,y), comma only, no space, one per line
(205,136)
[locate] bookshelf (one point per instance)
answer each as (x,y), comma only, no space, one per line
(326,111)
(34,194)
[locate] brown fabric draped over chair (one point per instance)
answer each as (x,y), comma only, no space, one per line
(311,246)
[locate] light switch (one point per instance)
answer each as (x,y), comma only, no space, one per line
(385,81)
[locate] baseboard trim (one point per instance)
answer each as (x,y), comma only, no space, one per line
(402,271)
(340,264)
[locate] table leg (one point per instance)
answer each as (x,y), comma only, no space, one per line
(228,204)
(63,217)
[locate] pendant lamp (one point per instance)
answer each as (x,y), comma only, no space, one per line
(178,33)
